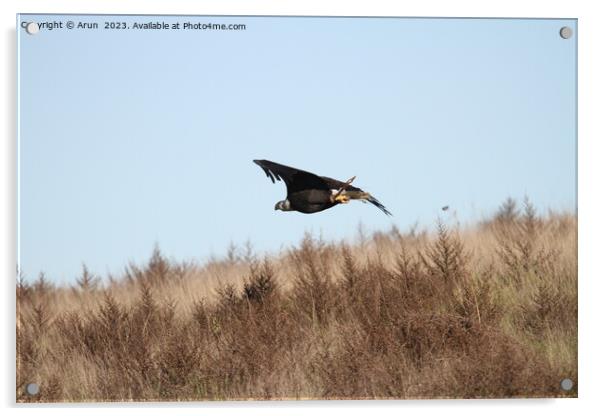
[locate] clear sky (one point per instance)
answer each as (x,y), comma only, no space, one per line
(129,138)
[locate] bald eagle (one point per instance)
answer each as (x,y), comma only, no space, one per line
(309,193)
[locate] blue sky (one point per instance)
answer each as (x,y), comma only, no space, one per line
(130,138)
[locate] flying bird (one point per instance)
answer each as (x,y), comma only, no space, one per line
(309,193)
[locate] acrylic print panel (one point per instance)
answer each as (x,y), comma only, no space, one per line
(230,207)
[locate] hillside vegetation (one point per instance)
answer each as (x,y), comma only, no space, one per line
(488,310)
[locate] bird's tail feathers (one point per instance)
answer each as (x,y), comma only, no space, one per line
(366,197)
(361,195)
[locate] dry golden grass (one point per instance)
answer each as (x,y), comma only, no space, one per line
(486,311)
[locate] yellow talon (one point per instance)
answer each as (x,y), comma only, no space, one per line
(343,199)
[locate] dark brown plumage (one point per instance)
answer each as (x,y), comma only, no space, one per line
(309,193)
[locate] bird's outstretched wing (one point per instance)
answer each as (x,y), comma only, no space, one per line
(334,184)
(295,179)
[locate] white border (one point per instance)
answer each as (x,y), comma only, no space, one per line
(590,209)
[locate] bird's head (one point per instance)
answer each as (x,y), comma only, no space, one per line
(283,205)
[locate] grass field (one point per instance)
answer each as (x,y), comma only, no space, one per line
(486,310)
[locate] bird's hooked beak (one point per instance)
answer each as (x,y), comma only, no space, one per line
(283,205)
